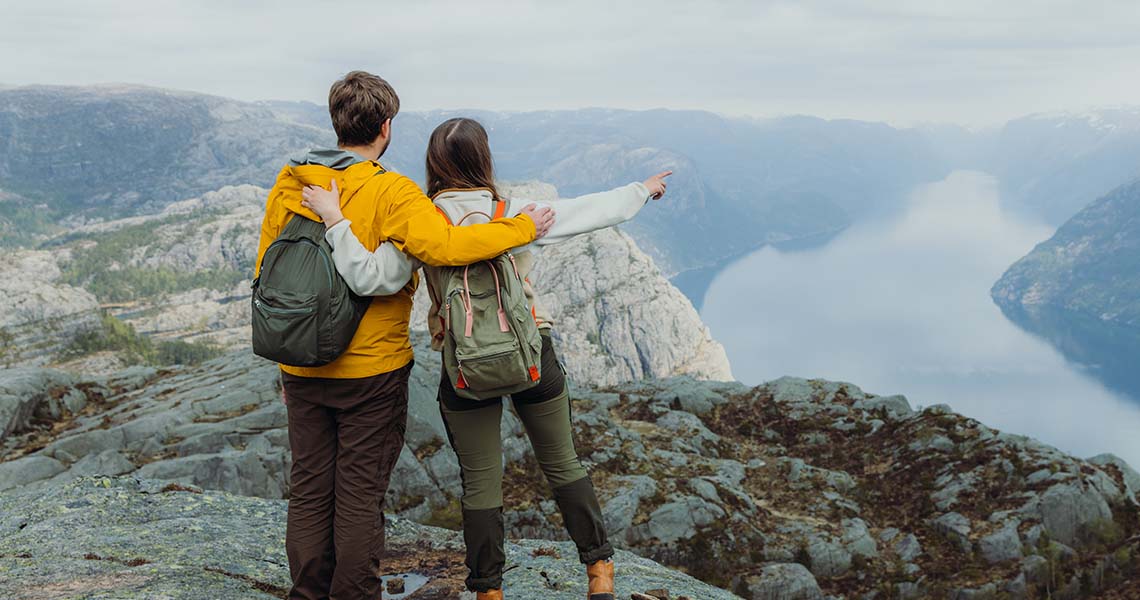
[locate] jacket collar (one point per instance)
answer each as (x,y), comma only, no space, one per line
(332,158)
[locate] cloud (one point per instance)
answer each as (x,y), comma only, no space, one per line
(887,60)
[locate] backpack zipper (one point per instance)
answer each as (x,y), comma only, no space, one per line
(281,311)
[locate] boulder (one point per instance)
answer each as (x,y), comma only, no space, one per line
(782,581)
(1002,545)
(29,469)
(1069,510)
(955,528)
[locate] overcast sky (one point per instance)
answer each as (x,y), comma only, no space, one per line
(902,61)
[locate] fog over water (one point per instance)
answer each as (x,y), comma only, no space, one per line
(903,306)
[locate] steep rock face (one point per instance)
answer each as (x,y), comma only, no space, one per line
(42,314)
(617,318)
(131,538)
(811,487)
(180,274)
(1088,267)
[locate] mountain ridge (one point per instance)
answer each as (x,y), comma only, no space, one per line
(194,142)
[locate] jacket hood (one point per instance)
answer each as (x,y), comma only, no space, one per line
(320,167)
(472,194)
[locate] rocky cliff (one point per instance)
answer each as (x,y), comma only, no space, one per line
(130,538)
(792,489)
(1087,268)
(182,275)
(42,314)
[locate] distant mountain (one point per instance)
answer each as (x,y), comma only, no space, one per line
(111,151)
(1056,164)
(1081,288)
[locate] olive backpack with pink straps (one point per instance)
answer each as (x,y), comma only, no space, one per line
(491,344)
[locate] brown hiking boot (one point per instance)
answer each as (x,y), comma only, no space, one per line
(489,595)
(601,576)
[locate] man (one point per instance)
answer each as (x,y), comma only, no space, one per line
(347,418)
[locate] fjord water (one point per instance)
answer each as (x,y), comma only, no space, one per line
(902,305)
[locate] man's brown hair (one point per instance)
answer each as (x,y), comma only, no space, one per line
(359,103)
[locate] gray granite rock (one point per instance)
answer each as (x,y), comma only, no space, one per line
(22,471)
(1002,545)
(894,407)
(908,547)
(827,557)
(689,395)
(128,539)
(857,539)
(784,581)
(246,472)
(988,591)
(955,528)
(677,520)
(26,392)
(1068,510)
(1129,475)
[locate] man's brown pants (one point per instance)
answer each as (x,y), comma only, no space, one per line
(346,435)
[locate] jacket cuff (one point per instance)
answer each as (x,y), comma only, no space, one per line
(334,232)
(642,191)
(531,227)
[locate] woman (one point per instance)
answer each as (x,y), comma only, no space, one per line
(461,182)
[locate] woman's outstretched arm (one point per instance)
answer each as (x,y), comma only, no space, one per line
(603,209)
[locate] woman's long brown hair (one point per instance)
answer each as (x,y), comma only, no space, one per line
(459,157)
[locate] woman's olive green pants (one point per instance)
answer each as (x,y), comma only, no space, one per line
(473,430)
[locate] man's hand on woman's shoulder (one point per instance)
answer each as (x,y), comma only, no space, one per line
(543,218)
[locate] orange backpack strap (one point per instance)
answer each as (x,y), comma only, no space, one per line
(500,209)
(444,215)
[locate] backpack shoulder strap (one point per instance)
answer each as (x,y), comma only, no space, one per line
(299,226)
(500,208)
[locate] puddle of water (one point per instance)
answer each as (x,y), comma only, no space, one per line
(412,582)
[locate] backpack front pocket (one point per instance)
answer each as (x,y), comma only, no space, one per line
(493,367)
(285,327)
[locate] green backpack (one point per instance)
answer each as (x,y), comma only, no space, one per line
(491,344)
(304,314)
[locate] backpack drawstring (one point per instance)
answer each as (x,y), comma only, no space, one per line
(465,297)
(504,325)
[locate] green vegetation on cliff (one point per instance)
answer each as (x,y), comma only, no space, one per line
(136,349)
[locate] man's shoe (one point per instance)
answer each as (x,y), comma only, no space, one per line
(489,595)
(601,576)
